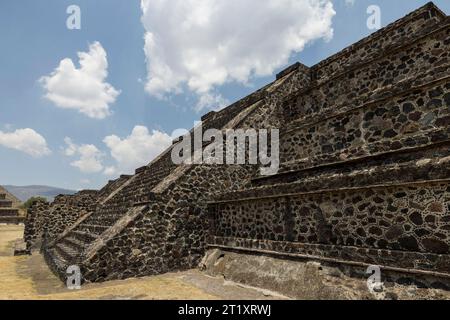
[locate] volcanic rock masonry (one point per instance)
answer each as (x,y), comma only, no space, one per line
(364,177)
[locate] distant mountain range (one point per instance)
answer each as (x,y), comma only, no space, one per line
(26,192)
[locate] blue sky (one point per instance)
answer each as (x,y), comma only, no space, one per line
(34,41)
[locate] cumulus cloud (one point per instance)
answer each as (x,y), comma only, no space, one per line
(211,100)
(90,157)
(136,150)
(83,89)
(202,44)
(110,171)
(25,140)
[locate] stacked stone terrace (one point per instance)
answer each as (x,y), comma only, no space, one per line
(365,159)
(46,221)
(9,212)
(155,221)
(364,176)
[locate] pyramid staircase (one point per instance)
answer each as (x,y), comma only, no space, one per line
(265,217)
(356,161)
(117,198)
(8,214)
(122,200)
(111,186)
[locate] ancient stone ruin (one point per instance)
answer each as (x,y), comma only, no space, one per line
(47,221)
(364,179)
(9,208)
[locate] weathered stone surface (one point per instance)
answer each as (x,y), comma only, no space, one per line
(435,246)
(363,164)
(48,220)
(364,177)
(20,248)
(300,279)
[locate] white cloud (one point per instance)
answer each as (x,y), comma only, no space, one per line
(136,150)
(90,157)
(25,140)
(211,101)
(203,44)
(110,171)
(83,89)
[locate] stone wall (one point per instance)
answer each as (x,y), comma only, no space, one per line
(364,178)
(66,210)
(35,223)
(170,234)
(418,118)
(111,186)
(365,150)
(396,34)
(396,221)
(48,220)
(309,279)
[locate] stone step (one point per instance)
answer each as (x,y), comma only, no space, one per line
(93,228)
(113,186)
(75,243)
(12,220)
(116,214)
(112,217)
(5,203)
(86,237)
(399,167)
(101,222)
(8,212)
(68,254)
(104,217)
(58,260)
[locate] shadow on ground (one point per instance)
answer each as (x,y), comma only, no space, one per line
(28,277)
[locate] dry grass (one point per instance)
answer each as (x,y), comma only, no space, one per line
(28,278)
(8,235)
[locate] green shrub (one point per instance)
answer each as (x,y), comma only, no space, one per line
(27,204)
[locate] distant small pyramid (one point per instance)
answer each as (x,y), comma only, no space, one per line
(10,196)
(9,207)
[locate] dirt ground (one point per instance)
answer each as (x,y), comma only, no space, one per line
(28,277)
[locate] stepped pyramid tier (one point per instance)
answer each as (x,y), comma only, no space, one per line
(9,208)
(363,180)
(48,221)
(365,162)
